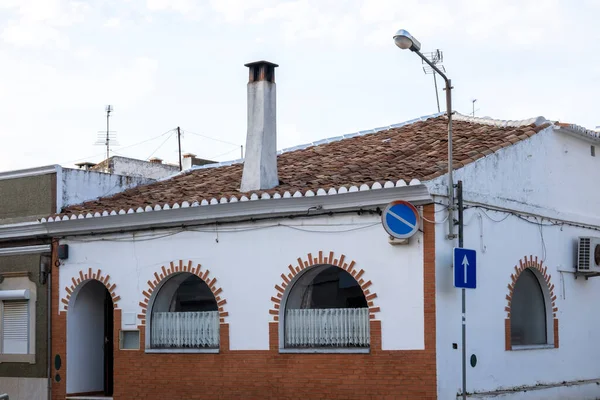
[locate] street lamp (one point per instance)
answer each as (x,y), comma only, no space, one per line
(405,40)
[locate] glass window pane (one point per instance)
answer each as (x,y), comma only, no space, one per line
(130,340)
(184,314)
(326,307)
(528,311)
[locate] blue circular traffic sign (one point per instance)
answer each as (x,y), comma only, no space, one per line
(400,219)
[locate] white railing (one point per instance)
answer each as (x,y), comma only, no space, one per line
(185,329)
(329,327)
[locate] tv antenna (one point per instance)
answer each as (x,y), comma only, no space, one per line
(105,137)
(473,101)
(436,58)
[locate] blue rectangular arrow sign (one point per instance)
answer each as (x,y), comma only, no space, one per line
(465,268)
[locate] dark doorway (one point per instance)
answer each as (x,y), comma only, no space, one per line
(90,341)
(108,344)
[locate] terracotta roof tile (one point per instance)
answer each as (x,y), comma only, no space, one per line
(414,151)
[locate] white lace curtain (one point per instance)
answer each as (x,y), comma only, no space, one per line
(330,327)
(185,329)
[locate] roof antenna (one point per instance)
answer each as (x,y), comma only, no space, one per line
(473,101)
(436,58)
(104,137)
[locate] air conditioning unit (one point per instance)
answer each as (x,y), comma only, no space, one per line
(588,255)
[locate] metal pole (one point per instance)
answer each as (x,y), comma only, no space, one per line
(451,207)
(179,143)
(107,134)
(450,162)
(459,196)
(437,96)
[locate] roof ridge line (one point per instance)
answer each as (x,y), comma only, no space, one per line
(316,143)
(537,121)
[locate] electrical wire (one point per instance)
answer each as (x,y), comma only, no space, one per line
(151,235)
(145,141)
(222,154)
(211,138)
(436,222)
(120,149)
(161,145)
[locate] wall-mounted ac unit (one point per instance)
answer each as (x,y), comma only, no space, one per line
(588,255)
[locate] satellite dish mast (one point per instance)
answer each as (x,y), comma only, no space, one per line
(105,137)
(436,58)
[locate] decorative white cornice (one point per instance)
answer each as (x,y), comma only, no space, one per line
(17,251)
(234,211)
(234,199)
(579,132)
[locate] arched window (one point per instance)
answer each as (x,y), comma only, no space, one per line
(184,314)
(325,307)
(528,318)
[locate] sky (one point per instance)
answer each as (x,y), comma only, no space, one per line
(168,63)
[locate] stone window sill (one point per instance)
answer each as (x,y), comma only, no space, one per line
(325,350)
(183,351)
(532,347)
(17,358)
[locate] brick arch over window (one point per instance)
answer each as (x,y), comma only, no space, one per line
(165,273)
(330,259)
(84,277)
(542,272)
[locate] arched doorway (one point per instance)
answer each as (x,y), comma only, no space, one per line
(90,340)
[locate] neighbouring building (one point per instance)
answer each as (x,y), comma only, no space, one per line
(273,277)
(154,168)
(25,196)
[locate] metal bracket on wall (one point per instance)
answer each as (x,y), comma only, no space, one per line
(395,242)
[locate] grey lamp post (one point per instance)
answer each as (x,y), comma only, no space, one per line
(405,40)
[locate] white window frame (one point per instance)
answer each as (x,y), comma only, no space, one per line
(18,286)
(321,350)
(148,329)
(549,316)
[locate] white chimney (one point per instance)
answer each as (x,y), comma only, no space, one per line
(260,162)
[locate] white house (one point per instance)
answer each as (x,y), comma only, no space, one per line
(292,288)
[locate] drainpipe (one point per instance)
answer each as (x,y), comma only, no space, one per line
(49,333)
(46,278)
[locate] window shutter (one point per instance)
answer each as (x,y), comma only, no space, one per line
(15,327)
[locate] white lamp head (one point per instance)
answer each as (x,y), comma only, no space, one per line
(405,40)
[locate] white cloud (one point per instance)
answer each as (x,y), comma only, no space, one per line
(24,33)
(40,22)
(112,22)
(189,8)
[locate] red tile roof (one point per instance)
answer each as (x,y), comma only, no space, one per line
(414,151)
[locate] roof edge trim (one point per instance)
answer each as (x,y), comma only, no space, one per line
(417,194)
(22,173)
(251,196)
(501,123)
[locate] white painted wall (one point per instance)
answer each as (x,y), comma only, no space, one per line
(552,175)
(76,186)
(140,168)
(85,339)
(248,262)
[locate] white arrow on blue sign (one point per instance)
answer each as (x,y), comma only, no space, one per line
(465,268)
(400,219)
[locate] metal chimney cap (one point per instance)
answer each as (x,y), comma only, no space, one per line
(255,63)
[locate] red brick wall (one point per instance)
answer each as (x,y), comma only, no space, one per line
(270,375)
